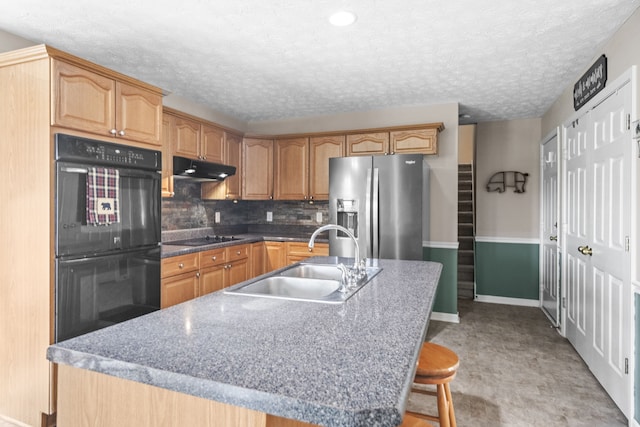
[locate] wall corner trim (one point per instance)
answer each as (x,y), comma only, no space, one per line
(445,317)
(508,301)
(440,245)
(516,240)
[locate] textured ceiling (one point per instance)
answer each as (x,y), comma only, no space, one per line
(272,59)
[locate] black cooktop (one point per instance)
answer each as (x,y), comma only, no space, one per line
(201,241)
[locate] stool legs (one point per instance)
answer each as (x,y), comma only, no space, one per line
(452,413)
(446,414)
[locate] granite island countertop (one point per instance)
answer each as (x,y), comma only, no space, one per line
(349,364)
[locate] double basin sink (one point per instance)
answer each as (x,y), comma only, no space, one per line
(304,282)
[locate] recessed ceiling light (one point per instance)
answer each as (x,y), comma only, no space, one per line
(342,18)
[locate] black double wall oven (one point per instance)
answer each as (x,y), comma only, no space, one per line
(107,239)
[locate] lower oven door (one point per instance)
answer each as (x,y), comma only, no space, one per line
(95,292)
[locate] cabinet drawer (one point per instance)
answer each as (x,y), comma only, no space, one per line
(302,249)
(237,252)
(179,264)
(212,257)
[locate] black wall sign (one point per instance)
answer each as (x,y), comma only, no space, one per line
(590,83)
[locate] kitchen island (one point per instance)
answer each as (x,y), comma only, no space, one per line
(235,360)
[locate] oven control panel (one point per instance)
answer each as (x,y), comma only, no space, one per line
(75,148)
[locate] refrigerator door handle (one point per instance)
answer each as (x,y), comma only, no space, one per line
(367,215)
(375,194)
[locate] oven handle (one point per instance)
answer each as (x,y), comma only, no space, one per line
(74,170)
(123,172)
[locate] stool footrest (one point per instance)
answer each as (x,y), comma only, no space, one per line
(423,416)
(421,391)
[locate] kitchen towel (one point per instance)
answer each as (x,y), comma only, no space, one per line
(103,196)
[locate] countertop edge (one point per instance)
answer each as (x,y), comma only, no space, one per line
(168,250)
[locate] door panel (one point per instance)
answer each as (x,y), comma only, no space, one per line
(550,230)
(598,172)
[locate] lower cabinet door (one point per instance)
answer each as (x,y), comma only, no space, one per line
(180,288)
(212,279)
(236,272)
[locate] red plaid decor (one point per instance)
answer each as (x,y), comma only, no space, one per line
(103,196)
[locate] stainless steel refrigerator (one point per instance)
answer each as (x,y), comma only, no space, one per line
(383,201)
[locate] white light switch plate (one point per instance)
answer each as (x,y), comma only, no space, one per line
(269,216)
(217,217)
(318,216)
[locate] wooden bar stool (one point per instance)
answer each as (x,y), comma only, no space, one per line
(437,365)
(410,421)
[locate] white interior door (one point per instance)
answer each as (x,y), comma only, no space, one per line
(597,230)
(577,218)
(549,256)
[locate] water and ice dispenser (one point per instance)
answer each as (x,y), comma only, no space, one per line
(347,217)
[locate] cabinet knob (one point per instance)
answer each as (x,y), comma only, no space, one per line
(181,265)
(198,274)
(113,132)
(121,133)
(270,197)
(238,252)
(214,258)
(310,250)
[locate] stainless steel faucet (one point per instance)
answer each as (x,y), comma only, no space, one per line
(356,263)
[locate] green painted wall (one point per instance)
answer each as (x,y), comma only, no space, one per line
(447,293)
(507,270)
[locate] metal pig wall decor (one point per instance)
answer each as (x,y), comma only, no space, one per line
(500,181)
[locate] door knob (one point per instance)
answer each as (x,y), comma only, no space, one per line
(585,250)
(553,238)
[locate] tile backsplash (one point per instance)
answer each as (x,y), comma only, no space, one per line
(187,210)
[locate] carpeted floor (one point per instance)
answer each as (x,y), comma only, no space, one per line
(516,370)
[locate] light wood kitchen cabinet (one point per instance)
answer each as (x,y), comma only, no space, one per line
(321,149)
(199,141)
(178,289)
(230,188)
(44,91)
(423,141)
(212,269)
(298,251)
(233,151)
(189,276)
(186,138)
(367,144)
(96,103)
(275,256)
(180,279)
(168,130)
(301,170)
(291,169)
(258,256)
(212,143)
(257,179)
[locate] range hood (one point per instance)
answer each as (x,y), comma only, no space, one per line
(199,170)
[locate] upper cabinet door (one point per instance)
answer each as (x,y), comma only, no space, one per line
(187,138)
(91,102)
(321,149)
(168,135)
(212,144)
(367,144)
(291,179)
(82,100)
(257,164)
(138,114)
(233,157)
(423,141)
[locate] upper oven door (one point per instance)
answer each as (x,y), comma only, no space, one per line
(139,211)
